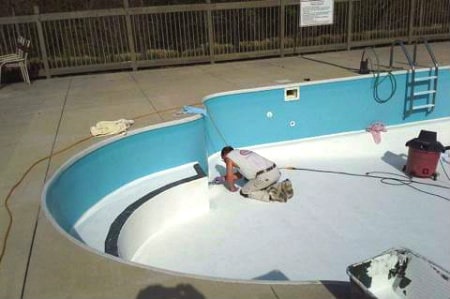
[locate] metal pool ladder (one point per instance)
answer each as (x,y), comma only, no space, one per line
(422,92)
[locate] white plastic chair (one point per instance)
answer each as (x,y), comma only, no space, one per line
(19,58)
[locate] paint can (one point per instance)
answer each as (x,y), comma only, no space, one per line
(398,273)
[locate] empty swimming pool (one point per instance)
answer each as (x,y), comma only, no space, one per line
(145,197)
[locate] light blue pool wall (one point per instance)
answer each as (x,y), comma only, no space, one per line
(235,118)
(324,108)
(86,180)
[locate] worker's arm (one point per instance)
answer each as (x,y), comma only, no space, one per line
(230,176)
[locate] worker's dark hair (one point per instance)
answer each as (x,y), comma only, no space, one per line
(226,150)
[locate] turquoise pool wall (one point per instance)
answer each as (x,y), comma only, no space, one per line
(86,180)
(324,108)
(237,118)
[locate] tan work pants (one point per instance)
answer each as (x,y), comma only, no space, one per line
(257,188)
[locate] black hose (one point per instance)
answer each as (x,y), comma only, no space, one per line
(403,180)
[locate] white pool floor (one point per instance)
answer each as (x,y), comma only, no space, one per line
(337,217)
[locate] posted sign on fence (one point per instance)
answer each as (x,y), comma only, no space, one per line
(316,12)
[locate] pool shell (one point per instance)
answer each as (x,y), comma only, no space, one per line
(96,172)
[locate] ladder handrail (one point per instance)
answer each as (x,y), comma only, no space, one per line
(412,66)
(413,82)
(436,66)
(411,63)
(429,50)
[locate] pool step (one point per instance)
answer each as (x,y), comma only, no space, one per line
(424,79)
(421,107)
(425,92)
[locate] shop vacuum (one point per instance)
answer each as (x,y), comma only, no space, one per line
(423,155)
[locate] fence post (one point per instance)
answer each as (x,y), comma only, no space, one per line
(40,32)
(16,26)
(282,24)
(126,6)
(411,21)
(210,31)
(350,24)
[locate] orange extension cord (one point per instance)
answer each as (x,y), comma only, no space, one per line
(16,185)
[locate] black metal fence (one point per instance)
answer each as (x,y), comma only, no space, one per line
(139,37)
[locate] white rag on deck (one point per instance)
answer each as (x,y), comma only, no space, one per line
(107,127)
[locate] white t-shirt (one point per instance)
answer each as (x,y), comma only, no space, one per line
(248,162)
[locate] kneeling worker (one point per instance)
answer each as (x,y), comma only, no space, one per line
(261,173)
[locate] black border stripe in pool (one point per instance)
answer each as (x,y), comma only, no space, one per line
(116,226)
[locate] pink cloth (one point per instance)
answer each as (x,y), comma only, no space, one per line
(375,129)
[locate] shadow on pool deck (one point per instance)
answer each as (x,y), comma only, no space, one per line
(53,114)
(161,292)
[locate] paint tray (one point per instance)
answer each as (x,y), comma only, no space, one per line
(398,273)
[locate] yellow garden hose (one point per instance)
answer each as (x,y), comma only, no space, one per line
(17,184)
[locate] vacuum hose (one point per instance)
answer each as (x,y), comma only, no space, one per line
(364,69)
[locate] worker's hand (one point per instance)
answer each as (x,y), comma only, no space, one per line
(219,180)
(233,188)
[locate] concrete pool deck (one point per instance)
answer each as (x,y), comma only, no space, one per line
(50,115)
